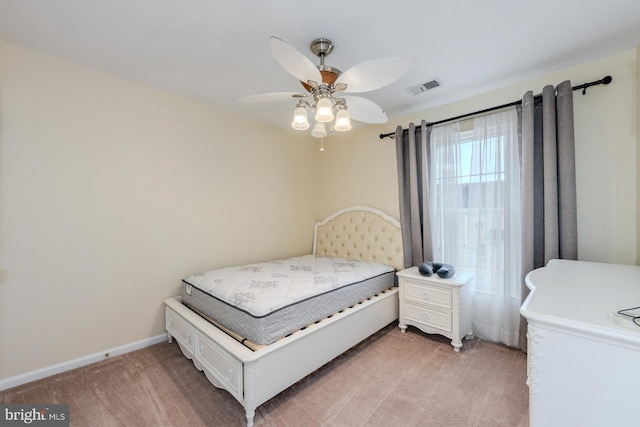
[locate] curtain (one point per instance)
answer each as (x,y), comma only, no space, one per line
(476,219)
(549,213)
(412,158)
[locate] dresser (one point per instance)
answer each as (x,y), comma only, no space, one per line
(435,305)
(583,359)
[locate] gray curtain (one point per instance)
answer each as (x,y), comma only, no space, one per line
(549,223)
(412,148)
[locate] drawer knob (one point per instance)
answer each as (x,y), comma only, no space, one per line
(170,322)
(426,295)
(229,375)
(201,351)
(425,316)
(189,337)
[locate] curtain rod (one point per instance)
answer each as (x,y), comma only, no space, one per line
(604,81)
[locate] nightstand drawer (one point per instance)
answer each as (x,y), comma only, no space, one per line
(440,320)
(433,295)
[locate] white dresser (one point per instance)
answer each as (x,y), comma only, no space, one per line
(583,359)
(435,305)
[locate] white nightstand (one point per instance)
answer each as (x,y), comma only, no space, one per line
(435,305)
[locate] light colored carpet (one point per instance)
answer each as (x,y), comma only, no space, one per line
(391,379)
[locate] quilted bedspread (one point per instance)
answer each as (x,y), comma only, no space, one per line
(263,288)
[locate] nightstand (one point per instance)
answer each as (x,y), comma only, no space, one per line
(435,305)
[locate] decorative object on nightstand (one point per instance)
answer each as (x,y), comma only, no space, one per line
(443,271)
(436,305)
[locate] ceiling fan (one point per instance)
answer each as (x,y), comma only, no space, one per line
(325,85)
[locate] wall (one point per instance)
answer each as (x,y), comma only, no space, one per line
(111,192)
(361,168)
(637,80)
(357,168)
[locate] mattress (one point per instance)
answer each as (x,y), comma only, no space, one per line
(266,301)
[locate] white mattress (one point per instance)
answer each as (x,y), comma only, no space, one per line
(263,302)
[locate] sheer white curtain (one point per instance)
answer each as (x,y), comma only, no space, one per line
(475,211)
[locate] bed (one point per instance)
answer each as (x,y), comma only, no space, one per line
(253,371)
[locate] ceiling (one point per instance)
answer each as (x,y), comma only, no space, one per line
(216,51)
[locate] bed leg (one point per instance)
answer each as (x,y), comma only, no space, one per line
(250,414)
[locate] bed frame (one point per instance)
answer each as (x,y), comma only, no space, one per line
(255,376)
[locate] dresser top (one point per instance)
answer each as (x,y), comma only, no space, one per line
(584,296)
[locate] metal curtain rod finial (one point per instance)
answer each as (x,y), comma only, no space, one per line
(603,81)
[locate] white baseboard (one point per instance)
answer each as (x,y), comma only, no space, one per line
(78,363)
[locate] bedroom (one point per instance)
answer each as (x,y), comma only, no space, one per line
(112,191)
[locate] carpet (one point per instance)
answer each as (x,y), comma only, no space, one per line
(390,379)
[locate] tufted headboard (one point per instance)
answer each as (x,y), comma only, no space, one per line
(360,233)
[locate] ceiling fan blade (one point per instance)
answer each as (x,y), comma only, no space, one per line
(363,110)
(294,62)
(270,97)
(374,74)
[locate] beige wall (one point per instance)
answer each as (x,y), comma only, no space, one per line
(357,168)
(637,131)
(361,168)
(111,192)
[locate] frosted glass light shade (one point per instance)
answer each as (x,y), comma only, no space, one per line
(319,130)
(300,119)
(324,110)
(343,120)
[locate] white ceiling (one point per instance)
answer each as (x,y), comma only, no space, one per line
(215,51)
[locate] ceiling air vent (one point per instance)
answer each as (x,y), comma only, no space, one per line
(423,87)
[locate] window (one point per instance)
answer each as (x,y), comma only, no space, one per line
(475,214)
(478,178)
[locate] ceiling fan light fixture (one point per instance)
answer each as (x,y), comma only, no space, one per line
(343,120)
(324,86)
(324,110)
(319,130)
(300,118)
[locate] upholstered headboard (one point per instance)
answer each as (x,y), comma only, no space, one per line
(360,233)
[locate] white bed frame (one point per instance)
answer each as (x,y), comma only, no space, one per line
(255,376)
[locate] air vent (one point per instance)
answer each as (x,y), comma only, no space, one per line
(423,87)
